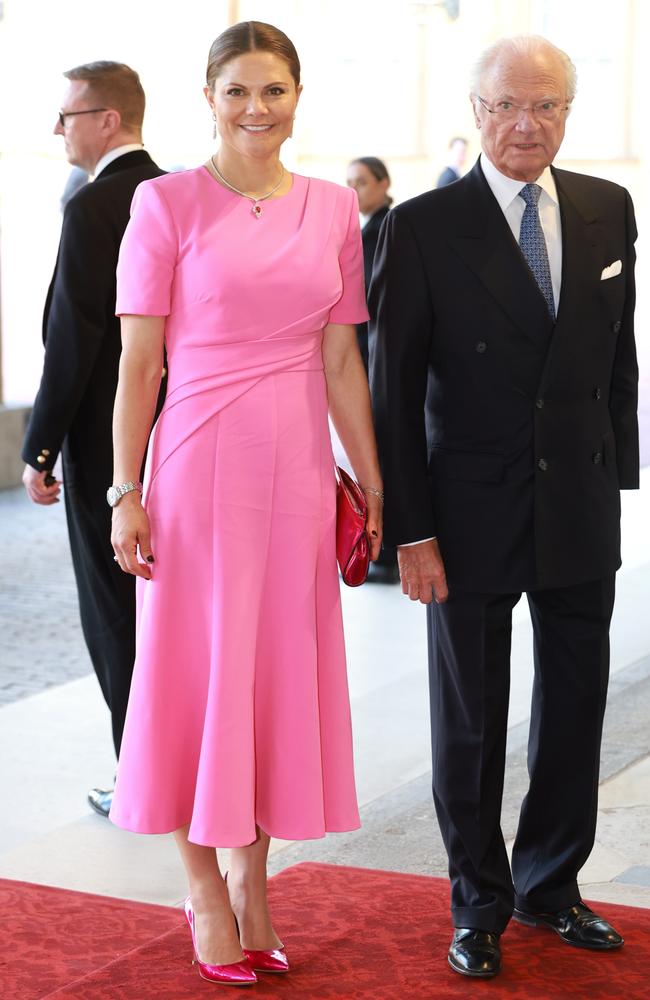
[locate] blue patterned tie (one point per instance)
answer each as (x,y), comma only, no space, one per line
(533,244)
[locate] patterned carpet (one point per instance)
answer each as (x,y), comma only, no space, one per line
(351,934)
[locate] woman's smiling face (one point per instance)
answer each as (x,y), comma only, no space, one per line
(254,101)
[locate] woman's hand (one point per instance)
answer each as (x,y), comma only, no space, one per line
(374,524)
(131,532)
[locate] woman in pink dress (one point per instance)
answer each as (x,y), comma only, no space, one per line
(238,726)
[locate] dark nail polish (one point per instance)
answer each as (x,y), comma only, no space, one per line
(150,559)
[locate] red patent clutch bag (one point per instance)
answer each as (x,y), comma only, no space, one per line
(352,549)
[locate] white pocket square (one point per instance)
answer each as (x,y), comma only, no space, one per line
(611,270)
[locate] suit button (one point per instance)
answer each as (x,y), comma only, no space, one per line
(616,326)
(539,403)
(597,393)
(45,451)
(596,458)
(40,459)
(164,373)
(542,464)
(481,347)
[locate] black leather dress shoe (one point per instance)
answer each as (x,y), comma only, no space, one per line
(101,800)
(474,953)
(578,926)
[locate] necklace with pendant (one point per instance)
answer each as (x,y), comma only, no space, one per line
(256,208)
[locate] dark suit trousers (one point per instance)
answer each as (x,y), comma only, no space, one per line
(469,676)
(106,601)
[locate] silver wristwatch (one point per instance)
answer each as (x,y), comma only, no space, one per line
(115,493)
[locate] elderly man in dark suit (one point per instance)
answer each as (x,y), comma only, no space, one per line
(101,125)
(512,293)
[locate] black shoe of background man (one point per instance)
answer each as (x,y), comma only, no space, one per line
(475,953)
(101,800)
(577,925)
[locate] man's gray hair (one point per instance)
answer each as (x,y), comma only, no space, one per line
(520,45)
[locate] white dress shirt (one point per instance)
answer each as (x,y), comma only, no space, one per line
(506,191)
(114,153)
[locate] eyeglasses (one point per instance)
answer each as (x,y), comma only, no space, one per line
(90,111)
(548,111)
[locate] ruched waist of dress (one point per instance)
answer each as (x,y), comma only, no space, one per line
(203,380)
(198,368)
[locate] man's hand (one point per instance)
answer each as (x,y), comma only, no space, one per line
(422,572)
(37,491)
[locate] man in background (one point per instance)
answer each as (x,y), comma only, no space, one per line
(101,124)
(454,168)
(369,177)
(77,178)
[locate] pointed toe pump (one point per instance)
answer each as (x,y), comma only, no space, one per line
(272,960)
(235,974)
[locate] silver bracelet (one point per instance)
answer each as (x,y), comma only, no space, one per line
(376,493)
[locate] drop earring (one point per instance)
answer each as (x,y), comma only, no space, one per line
(214,127)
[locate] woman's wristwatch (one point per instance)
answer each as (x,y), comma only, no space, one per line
(115,493)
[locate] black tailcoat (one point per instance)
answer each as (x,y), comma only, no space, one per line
(74,406)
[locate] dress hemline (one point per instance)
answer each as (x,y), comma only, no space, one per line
(227,842)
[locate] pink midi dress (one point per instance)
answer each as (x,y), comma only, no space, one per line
(239,709)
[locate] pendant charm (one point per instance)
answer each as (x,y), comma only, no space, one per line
(256,210)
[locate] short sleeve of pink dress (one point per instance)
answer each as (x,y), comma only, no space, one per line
(145,268)
(349,306)
(239,711)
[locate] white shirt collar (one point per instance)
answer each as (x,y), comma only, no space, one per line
(114,153)
(505,189)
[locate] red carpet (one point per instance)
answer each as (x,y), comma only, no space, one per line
(351,934)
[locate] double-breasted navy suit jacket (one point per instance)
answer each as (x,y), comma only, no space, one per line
(532,426)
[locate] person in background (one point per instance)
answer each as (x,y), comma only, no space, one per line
(238,726)
(101,126)
(514,290)
(369,177)
(457,156)
(77,178)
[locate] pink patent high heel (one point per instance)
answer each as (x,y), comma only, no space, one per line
(235,974)
(270,960)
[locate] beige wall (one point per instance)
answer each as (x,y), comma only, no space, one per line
(382,77)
